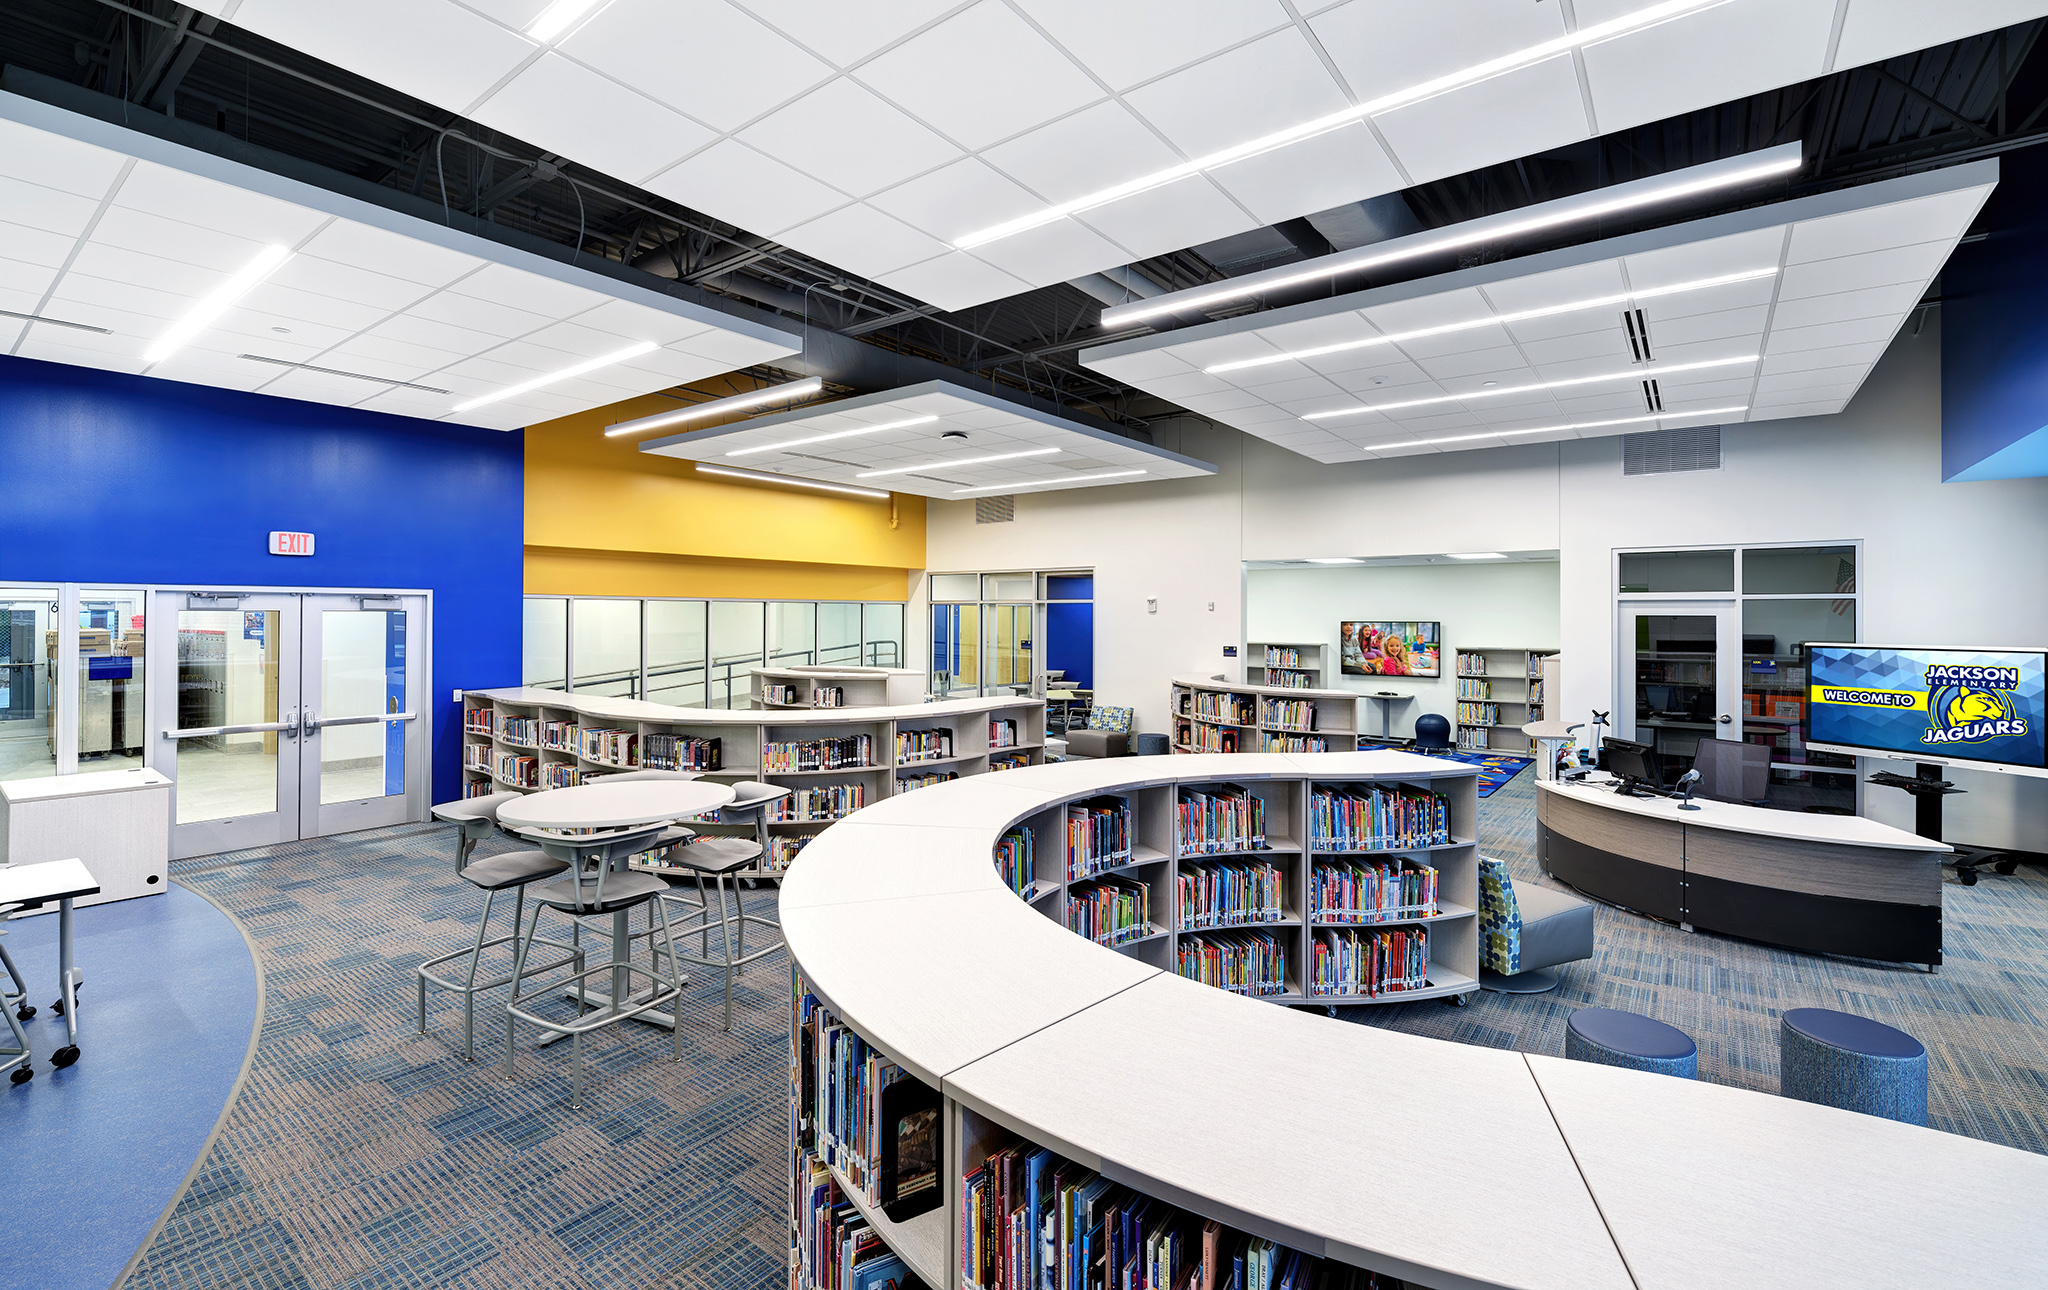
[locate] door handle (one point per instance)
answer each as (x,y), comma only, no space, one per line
(1724,719)
(291,724)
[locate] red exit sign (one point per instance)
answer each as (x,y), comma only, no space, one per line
(291,544)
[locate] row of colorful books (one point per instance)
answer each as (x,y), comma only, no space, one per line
(1474,737)
(558,736)
(923,745)
(681,752)
(1296,743)
(612,747)
(1471,664)
(1371,893)
(1249,963)
(478,788)
(1002,733)
(1478,714)
(1535,692)
(850,752)
(1098,836)
(1203,738)
(1369,963)
(1014,862)
(1287,680)
(1214,823)
(836,1247)
(1229,895)
(1234,708)
(776,692)
(479,721)
(906,783)
(1474,688)
(477,757)
(828,696)
(560,774)
(1110,911)
(524,731)
(518,769)
(838,1081)
(1288,714)
(1010,761)
(1377,819)
(1282,656)
(783,848)
(819,802)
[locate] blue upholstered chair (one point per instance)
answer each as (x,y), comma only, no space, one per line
(1843,1060)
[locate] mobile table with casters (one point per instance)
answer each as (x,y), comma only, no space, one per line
(31,886)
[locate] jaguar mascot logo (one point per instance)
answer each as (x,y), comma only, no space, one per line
(1970,704)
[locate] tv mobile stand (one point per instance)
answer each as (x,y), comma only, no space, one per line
(1928,788)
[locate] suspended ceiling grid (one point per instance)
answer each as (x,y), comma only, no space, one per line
(1840,273)
(120,231)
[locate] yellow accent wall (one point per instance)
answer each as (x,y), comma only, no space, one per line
(603,518)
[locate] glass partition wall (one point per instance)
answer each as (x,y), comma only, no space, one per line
(697,653)
(1029,632)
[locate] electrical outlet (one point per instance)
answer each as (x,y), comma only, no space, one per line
(1151,604)
(458,696)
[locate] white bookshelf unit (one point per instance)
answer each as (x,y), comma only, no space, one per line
(526,740)
(1296,665)
(1217,716)
(1499,691)
(835,687)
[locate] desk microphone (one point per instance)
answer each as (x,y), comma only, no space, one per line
(1686,781)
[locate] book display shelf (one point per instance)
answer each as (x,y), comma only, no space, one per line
(1105,1120)
(834,761)
(1499,692)
(1218,716)
(835,687)
(1295,665)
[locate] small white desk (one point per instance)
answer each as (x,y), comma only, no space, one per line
(117,821)
(35,885)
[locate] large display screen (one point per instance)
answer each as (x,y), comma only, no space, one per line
(1390,649)
(1942,704)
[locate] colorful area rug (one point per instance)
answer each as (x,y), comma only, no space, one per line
(1495,769)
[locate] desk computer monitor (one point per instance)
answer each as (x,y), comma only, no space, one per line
(1660,698)
(1634,764)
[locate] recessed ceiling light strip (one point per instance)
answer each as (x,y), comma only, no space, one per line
(1728,173)
(758,477)
(1575,425)
(216,302)
(55,322)
(1641,18)
(719,407)
(1333,559)
(588,365)
(558,18)
(335,371)
(1041,483)
(836,434)
(1524,315)
(1498,391)
(959,461)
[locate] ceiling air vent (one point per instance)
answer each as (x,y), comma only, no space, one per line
(1637,325)
(1653,397)
(995,510)
(1666,452)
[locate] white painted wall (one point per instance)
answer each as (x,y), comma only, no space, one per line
(1501,606)
(1944,564)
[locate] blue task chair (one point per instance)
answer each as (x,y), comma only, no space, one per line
(1432,734)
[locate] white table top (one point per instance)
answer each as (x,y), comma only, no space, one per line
(1843,830)
(1547,730)
(98,781)
(50,880)
(611,806)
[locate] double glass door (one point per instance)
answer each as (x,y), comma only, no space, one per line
(285,715)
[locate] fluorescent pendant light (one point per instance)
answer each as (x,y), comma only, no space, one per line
(1475,555)
(1338,120)
(1575,425)
(718,407)
(836,434)
(757,477)
(558,17)
(1395,338)
(217,302)
(1648,371)
(1040,483)
(958,461)
(1733,172)
(588,365)
(1337,559)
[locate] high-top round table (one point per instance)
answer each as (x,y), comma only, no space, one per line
(608,810)
(1545,739)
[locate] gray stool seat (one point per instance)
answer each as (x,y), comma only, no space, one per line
(495,873)
(1610,1037)
(1150,745)
(1527,931)
(1842,1060)
(621,891)
(719,858)
(473,808)
(716,855)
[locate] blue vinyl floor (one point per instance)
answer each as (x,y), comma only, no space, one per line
(94,1153)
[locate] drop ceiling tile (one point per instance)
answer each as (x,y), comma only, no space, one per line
(134,298)
(39,344)
(1558,287)
(50,209)
(564,107)
(1134,40)
(1872,268)
(1754,293)
(1876,29)
(1382,46)
(1933,218)
(1855,331)
(1572,369)
(30,279)
(119,264)
(1463,341)
(1873,302)
(1437,310)
(1722,53)
(1672,355)
(348,242)
(1812,379)
(401,43)
(1726,324)
(381,356)
(1610,345)
(631,321)
(746,188)
(1492,362)
(730,348)
(843,33)
(242,376)
(945,76)
(1814,394)
(1220,405)
(572,338)
(845,135)
(703,57)
(1333,169)
(1051,253)
(1310,333)
(1712,258)
(1786,412)
(247,327)
(1385,377)
(1143,367)
(40,157)
(516,14)
(1807,360)
(25,245)
(1184,213)
(347,282)
(1184,386)
(863,240)
(958,199)
(1081,154)
(1531,109)
(1705,389)
(473,314)
(292,302)
(1268,84)
(1586,401)
(1557,326)
(500,284)
(223,253)
(1302,388)
(955,281)
(207,205)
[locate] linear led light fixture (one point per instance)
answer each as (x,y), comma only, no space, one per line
(587,365)
(1040,483)
(1335,559)
(1576,425)
(718,407)
(957,461)
(1730,173)
(1338,120)
(216,302)
(758,477)
(1475,555)
(56,322)
(1525,315)
(1645,372)
(558,17)
(836,434)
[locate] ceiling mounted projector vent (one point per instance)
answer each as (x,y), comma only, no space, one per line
(1637,325)
(1666,452)
(995,510)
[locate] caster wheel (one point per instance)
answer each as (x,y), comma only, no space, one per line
(1969,877)
(2007,866)
(22,1075)
(1329,1010)
(1458,1000)
(64,1057)
(25,1013)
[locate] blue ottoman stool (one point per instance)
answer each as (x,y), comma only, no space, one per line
(1613,1038)
(1839,1059)
(1150,746)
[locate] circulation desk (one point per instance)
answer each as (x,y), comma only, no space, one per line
(1828,884)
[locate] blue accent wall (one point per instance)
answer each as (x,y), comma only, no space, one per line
(1994,334)
(127,479)
(1070,641)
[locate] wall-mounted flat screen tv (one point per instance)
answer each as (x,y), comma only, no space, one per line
(1391,649)
(1983,706)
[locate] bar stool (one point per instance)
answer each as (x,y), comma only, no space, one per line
(721,858)
(16,1059)
(476,818)
(599,885)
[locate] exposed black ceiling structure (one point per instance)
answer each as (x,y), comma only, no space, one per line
(1980,96)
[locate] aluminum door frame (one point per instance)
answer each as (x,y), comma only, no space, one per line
(319,819)
(1727,616)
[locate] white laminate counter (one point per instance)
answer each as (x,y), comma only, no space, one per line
(1733,817)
